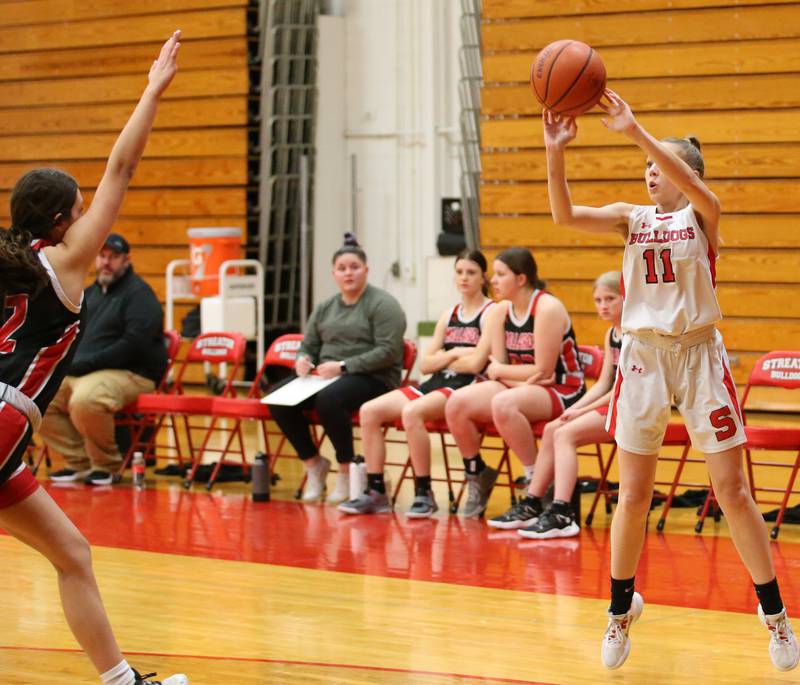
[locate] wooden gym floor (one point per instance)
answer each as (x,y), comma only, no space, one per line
(233,592)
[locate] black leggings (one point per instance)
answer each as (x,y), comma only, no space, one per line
(335,405)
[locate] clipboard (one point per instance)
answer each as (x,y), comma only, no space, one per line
(294,392)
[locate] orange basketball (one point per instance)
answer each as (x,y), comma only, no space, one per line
(568,77)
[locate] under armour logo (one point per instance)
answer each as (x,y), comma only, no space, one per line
(646,225)
(636,369)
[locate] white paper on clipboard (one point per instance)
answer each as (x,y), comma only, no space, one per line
(294,392)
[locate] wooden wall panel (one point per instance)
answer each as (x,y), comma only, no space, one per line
(664,26)
(664,59)
(756,160)
(121,88)
(724,70)
(123,30)
(221,142)
(153,173)
(49,11)
(120,59)
(70,76)
(687,94)
(517,9)
(734,126)
(186,113)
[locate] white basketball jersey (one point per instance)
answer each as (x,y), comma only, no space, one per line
(668,273)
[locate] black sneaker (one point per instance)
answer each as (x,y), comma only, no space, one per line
(551,525)
(423,507)
(525,512)
(177,679)
(98,477)
(68,475)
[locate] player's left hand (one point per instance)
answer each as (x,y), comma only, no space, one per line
(164,68)
(620,116)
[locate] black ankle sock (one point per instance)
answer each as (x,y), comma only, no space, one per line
(769,596)
(422,485)
(621,596)
(474,465)
(563,508)
(375,482)
(532,501)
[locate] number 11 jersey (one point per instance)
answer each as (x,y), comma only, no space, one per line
(668,273)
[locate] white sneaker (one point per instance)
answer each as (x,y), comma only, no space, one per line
(341,491)
(316,472)
(68,475)
(783,648)
(616,643)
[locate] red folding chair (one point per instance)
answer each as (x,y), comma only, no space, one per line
(131,417)
(215,348)
(779,369)
(281,353)
(591,357)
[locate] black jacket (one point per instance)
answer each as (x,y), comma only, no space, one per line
(124,330)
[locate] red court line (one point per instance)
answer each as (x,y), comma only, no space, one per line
(288,662)
(697,571)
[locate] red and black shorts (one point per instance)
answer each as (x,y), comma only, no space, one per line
(442,381)
(562,397)
(16,480)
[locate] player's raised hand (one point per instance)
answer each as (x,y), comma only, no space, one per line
(620,117)
(559,130)
(164,68)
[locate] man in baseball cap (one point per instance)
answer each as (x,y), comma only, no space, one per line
(117,243)
(120,355)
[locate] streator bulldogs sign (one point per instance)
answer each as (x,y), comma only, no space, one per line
(783,368)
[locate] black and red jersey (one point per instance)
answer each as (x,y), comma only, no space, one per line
(521,349)
(461,333)
(38,337)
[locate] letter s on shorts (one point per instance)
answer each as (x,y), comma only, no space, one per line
(722,420)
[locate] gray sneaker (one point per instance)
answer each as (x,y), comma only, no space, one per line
(479,488)
(423,507)
(369,502)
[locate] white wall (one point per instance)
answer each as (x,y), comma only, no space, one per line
(400,105)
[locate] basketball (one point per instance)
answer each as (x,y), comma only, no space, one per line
(568,77)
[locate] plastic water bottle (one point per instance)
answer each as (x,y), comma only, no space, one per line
(259,478)
(138,470)
(358,477)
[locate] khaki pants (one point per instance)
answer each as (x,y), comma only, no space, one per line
(79,422)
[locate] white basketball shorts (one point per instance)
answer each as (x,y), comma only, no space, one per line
(693,371)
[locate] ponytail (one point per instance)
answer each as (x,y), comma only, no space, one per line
(20,268)
(691,152)
(40,200)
